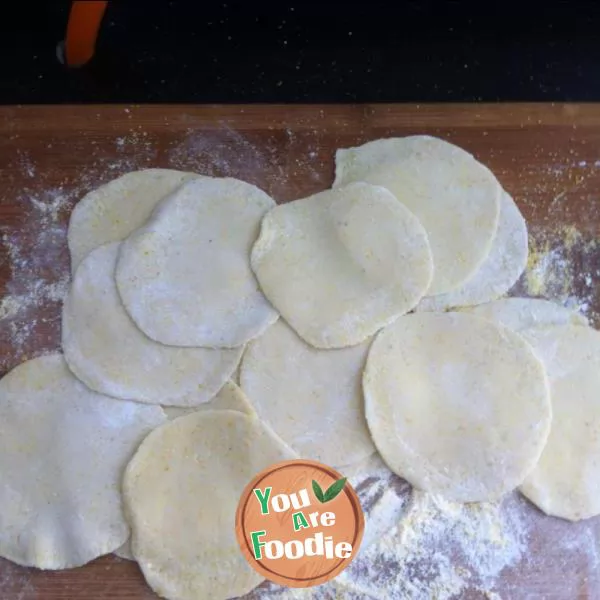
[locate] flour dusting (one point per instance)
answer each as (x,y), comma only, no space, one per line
(440,549)
(563,266)
(435,549)
(29,316)
(431,548)
(254,158)
(16,581)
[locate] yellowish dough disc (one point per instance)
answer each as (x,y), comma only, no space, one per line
(455,197)
(456,405)
(343,263)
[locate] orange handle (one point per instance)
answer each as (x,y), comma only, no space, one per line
(82,31)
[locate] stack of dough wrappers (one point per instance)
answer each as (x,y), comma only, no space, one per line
(209,332)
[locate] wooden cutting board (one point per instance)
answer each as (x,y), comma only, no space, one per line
(546,156)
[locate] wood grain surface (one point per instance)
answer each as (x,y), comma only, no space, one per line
(546,156)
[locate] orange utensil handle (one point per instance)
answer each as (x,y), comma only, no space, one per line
(82,31)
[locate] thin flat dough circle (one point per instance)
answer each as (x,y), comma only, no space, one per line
(106,350)
(343,263)
(112,211)
(185,276)
(456,198)
(566,480)
(456,405)
(311,398)
(500,270)
(230,397)
(64,450)
(181,492)
(520,314)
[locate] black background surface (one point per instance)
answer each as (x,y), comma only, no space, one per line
(370,51)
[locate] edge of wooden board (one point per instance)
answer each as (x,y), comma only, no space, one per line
(299,116)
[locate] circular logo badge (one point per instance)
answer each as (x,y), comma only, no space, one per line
(299,523)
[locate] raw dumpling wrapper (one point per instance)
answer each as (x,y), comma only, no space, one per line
(456,405)
(456,198)
(112,211)
(185,276)
(566,480)
(230,397)
(500,270)
(107,351)
(64,450)
(311,398)
(181,508)
(343,263)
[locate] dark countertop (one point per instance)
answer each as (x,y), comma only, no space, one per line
(311,51)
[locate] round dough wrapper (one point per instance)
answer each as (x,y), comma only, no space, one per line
(520,314)
(311,398)
(343,263)
(456,198)
(185,276)
(230,397)
(566,480)
(500,270)
(112,211)
(456,405)
(105,349)
(182,509)
(64,450)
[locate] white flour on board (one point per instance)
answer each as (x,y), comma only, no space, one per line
(564,266)
(436,549)
(226,152)
(445,551)
(38,283)
(16,581)
(416,547)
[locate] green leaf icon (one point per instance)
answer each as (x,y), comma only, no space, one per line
(335,489)
(332,491)
(318,491)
